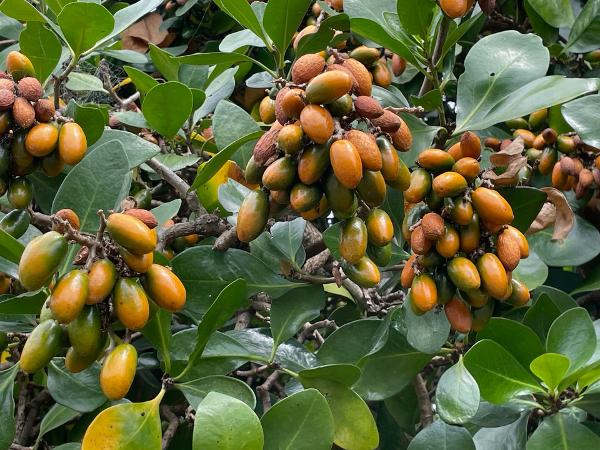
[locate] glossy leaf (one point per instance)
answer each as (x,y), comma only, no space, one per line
(416,15)
(127,16)
(90,117)
(541,315)
(572,335)
(512,436)
(457,395)
(7,406)
(143,82)
(84,24)
(26,303)
(287,238)
(57,416)
(167,106)
(526,203)
(11,248)
(128,426)
(290,312)
(499,375)
(78,391)
(557,13)
(550,368)
(243,13)
(21,10)
(585,33)
(532,271)
(301,421)
(166,211)
(239,39)
(196,390)
(353,341)
(82,82)
(42,47)
(94,184)
(440,435)
(426,332)
(158,332)
(346,374)
(520,340)
(591,282)
(580,246)
(220,88)
(562,432)
(354,426)
(137,149)
(583,113)
(281,20)
(223,422)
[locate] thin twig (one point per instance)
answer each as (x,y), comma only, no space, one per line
(205,225)
(172,427)
(226,240)
(423,400)
(311,328)
(264,389)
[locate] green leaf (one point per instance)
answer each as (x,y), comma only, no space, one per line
(551,368)
(532,271)
(7,406)
(10,248)
(196,390)
(287,238)
(541,315)
(290,312)
(223,422)
(166,211)
(580,246)
(243,13)
(239,39)
(353,341)
(27,303)
(512,436)
(229,300)
(562,432)
(585,34)
(216,162)
(131,119)
(572,335)
(301,421)
(346,374)
(90,117)
(42,47)
(21,10)
(499,375)
(526,203)
(591,282)
(56,417)
(520,340)
(314,42)
(426,332)
(387,371)
(354,426)
(503,69)
(84,24)
(557,13)
(166,64)
(128,426)
(220,88)
(143,82)
(230,124)
(205,273)
(82,82)
(78,391)
(457,395)
(582,114)
(137,149)
(456,34)
(282,19)
(440,435)
(93,184)
(174,161)
(167,106)
(540,27)
(158,332)
(416,15)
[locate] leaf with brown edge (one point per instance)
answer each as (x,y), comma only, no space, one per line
(504,157)
(128,426)
(557,212)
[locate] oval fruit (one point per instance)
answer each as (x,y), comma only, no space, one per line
(102,277)
(342,200)
(304,198)
(118,371)
(346,163)
(76,363)
(131,303)
(341,107)
(476,297)
(307,67)
(469,168)
(445,288)
(131,233)
(353,240)
(463,273)
(289,139)
(368,150)
(494,281)
(41,346)
(408,272)
(418,242)
(85,333)
(253,216)
(364,83)
(328,86)
(454,8)
(470,145)
(266,110)
(470,236)
(520,295)
(253,172)
(423,293)
(165,288)
(435,160)
(508,250)
(380,255)
(317,123)
(491,206)
(280,175)
(42,139)
(420,185)
(69,295)
(364,273)
(458,315)
(449,184)
(372,188)
(20,193)
(481,316)
(137,263)
(379,228)
(72,143)
(390,162)
(462,211)
(313,163)
(449,243)
(520,238)
(41,259)
(19,65)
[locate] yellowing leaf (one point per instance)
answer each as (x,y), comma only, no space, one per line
(129,426)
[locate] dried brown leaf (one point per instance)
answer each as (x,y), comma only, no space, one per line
(556,211)
(146,31)
(506,155)
(510,177)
